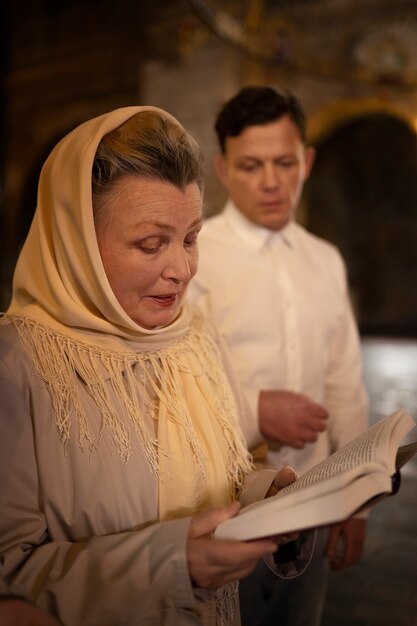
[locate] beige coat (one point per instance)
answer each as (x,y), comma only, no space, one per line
(80,533)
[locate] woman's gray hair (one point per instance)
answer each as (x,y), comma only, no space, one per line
(148,145)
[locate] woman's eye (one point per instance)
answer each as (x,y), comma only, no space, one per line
(147,250)
(149,247)
(191,240)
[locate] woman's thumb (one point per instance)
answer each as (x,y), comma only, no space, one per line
(205,523)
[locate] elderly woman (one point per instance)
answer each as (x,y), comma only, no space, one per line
(121,449)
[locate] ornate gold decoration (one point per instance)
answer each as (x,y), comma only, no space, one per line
(382,53)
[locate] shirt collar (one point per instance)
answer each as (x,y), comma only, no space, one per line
(253,235)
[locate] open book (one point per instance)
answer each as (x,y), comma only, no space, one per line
(353,478)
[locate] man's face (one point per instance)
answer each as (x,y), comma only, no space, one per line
(264,170)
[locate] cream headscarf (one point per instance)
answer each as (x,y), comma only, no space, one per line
(73,327)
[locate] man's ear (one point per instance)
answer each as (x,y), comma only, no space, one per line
(310,156)
(220,166)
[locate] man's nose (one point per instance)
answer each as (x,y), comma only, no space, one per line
(270,176)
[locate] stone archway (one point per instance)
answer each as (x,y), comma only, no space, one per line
(362,195)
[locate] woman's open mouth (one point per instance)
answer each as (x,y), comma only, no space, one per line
(165,301)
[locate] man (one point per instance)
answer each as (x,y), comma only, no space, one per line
(279,296)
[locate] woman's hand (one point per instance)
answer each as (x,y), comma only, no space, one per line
(213,563)
(284,477)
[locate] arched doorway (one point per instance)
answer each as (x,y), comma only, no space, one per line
(362,195)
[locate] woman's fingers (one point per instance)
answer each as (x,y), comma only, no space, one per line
(205,523)
(213,563)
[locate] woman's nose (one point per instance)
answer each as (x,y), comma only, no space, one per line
(178,266)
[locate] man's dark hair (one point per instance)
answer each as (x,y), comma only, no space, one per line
(257,105)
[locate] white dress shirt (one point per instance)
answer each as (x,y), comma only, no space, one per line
(280,300)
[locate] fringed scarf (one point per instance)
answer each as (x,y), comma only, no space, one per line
(73,328)
(195,449)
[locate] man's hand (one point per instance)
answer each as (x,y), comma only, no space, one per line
(289,418)
(345,543)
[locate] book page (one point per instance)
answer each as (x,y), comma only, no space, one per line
(361,451)
(332,507)
(405,453)
(348,478)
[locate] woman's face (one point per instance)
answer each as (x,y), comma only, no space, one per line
(148,244)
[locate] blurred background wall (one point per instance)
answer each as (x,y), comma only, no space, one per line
(352,62)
